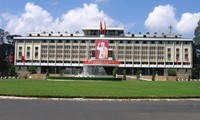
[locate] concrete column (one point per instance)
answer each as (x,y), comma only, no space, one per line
(124,54)
(148,53)
(32,52)
(174,54)
(40,55)
(140,54)
(71,52)
(16,51)
(48,52)
(165,54)
(182,52)
(55,51)
(133,53)
(78,53)
(156,54)
(63,52)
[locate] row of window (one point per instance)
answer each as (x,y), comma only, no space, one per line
(110,41)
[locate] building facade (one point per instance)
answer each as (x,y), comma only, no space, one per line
(54,52)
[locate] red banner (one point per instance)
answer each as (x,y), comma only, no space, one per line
(101,62)
(101,49)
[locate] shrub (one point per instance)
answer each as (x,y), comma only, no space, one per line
(32,70)
(189,77)
(171,72)
(124,74)
(138,73)
(11,71)
(154,75)
(62,72)
(77,72)
(83,78)
(47,72)
(114,72)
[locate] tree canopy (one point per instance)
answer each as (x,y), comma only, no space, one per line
(196,53)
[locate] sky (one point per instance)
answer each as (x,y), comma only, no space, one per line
(23,16)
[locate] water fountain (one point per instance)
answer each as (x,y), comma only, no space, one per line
(92,71)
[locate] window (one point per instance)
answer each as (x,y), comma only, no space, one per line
(168,53)
(168,42)
(186,50)
(152,42)
(52,41)
(136,42)
(177,54)
(20,52)
(186,55)
(20,55)
(20,41)
(20,48)
(28,55)
(75,41)
(59,41)
(44,41)
(28,52)
(110,53)
(144,42)
(111,41)
(36,52)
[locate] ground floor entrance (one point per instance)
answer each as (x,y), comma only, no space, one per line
(107,69)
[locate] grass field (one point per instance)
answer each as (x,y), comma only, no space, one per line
(100,89)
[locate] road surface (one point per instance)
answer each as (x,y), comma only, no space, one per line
(98,110)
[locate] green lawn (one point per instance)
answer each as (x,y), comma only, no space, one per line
(100,89)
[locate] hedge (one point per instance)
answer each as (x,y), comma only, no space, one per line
(84,78)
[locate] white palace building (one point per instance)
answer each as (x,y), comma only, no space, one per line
(54,52)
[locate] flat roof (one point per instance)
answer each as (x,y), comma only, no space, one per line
(103,38)
(109,28)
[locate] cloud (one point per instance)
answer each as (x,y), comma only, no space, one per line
(35,18)
(188,23)
(162,17)
(98,1)
(87,16)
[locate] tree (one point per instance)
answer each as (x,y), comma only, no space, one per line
(5,51)
(11,70)
(196,53)
(196,45)
(196,72)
